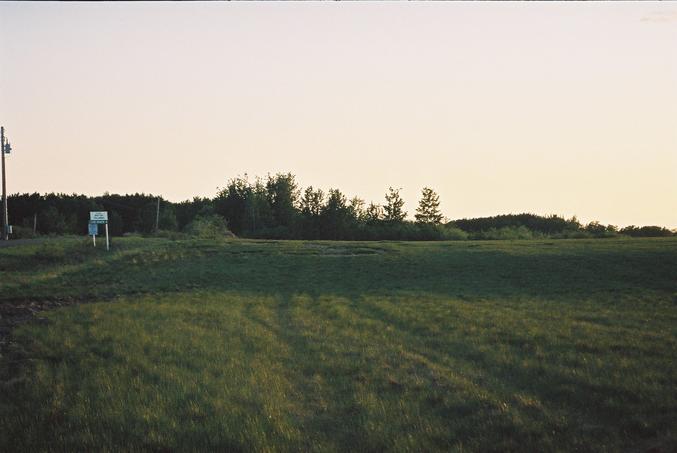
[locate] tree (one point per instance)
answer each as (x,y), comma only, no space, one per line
(428,208)
(187,211)
(393,208)
(336,216)
(167,220)
(115,223)
(283,194)
(373,214)
(311,202)
(356,207)
(52,221)
(257,213)
(231,202)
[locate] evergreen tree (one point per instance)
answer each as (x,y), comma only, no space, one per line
(393,208)
(428,208)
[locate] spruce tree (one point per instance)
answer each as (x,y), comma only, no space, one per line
(428,208)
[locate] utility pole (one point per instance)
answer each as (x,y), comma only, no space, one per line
(157,215)
(5,223)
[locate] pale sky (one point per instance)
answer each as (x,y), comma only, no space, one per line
(566,108)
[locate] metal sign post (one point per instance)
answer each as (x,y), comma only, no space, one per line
(97,217)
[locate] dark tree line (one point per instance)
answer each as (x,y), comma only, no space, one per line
(69,214)
(276,207)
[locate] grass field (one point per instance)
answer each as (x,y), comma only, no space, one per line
(318,346)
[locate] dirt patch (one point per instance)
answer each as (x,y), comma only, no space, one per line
(16,312)
(334,250)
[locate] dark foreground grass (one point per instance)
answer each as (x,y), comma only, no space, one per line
(285,346)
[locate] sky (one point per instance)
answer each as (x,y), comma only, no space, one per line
(549,108)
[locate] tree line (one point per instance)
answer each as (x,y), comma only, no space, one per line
(276,207)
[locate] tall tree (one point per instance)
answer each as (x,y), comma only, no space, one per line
(428,210)
(283,195)
(373,213)
(357,209)
(231,202)
(393,207)
(336,216)
(311,202)
(258,213)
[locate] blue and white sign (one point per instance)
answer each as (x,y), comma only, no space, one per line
(98,217)
(93,229)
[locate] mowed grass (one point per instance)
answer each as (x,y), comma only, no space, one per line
(320,346)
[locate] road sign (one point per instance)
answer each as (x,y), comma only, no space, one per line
(93,229)
(98,217)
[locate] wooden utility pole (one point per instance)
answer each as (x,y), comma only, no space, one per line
(5,222)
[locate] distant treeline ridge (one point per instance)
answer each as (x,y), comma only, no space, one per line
(275,207)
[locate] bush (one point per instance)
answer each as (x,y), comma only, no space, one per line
(452,233)
(510,233)
(208,227)
(646,231)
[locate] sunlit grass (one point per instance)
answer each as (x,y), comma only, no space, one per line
(286,346)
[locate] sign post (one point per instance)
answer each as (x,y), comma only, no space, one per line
(97,217)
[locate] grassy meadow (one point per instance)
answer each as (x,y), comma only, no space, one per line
(248,345)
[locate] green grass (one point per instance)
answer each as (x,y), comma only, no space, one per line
(325,346)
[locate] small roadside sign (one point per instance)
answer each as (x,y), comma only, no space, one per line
(93,229)
(98,217)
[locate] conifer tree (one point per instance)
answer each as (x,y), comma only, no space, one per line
(428,208)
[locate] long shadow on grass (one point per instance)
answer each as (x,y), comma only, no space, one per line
(587,400)
(306,364)
(459,273)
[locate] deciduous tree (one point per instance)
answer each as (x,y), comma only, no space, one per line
(393,207)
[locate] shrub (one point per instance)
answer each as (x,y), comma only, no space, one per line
(511,232)
(208,227)
(452,233)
